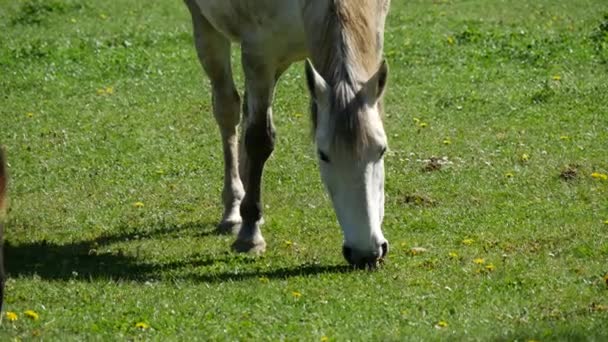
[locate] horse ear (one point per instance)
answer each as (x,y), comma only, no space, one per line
(376,85)
(316,84)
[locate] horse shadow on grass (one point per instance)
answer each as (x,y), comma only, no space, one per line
(85,260)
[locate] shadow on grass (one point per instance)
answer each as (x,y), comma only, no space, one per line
(85,260)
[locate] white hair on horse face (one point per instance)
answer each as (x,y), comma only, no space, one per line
(352,167)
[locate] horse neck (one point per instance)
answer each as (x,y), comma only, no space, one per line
(346,38)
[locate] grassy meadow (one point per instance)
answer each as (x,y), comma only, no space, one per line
(497,189)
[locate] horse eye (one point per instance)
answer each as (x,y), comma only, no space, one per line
(382,152)
(323,156)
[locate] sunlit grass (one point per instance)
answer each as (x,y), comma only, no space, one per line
(497,200)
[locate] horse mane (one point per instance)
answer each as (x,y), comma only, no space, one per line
(347,54)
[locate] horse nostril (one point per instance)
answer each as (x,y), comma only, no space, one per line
(384,248)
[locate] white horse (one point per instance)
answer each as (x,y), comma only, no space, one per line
(346,76)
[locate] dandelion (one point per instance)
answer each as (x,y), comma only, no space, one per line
(441,325)
(423,125)
(468,242)
(416,120)
(556,78)
(31,314)
(524,157)
(142,326)
(509,175)
(598,175)
(298,115)
(453,255)
(606,222)
(288,243)
(490,267)
(447,141)
(324,339)
(105,91)
(138,204)
(451,40)
(296,294)
(29,114)
(264,280)
(11,316)
(479,261)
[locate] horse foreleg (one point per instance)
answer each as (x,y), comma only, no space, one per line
(213,50)
(259,140)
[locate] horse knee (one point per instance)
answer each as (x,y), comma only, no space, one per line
(259,140)
(226,107)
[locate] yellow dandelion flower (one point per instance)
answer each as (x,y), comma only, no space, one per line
(509,174)
(288,243)
(524,157)
(324,339)
(423,125)
(441,325)
(11,316)
(298,115)
(598,175)
(296,294)
(479,261)
(264,280)
(416,120)
(142,325)
(490,267)
(31,314)
(109,90)
(29,114)
(453,255)
(468,242)
(556,78)
(606,222)
(451,40)
(101,91)
(138,204)
(403,244)
(447,141)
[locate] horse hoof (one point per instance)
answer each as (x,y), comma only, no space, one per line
(254,246)
(229,227)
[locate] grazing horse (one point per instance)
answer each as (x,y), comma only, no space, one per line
(342,42)
(3,184)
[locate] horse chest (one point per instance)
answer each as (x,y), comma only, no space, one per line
(271,28)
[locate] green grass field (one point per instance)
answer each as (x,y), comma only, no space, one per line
(116,172)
